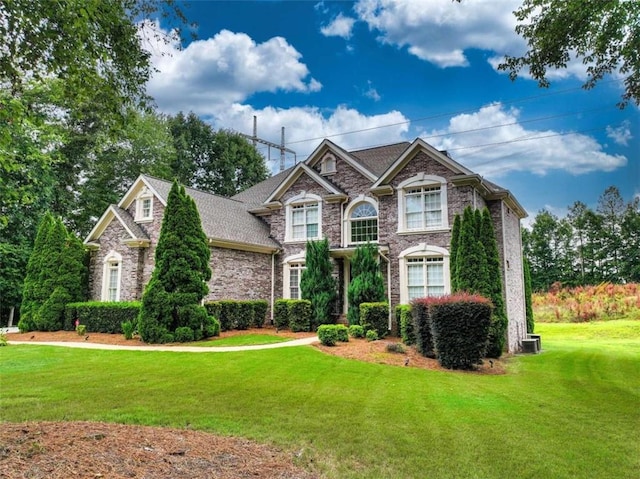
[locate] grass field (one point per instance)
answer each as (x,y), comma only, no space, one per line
(570,412)
(242,340)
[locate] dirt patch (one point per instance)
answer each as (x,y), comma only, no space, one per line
(62,450)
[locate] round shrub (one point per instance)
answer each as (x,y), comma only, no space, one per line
(327,334)
(356,331)
(372,335)
(184,334)
(343,333)
(211,327)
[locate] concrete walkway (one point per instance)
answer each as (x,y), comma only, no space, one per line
(177,349)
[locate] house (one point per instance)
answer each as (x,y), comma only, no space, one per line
(402,196)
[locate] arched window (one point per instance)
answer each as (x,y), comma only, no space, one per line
(422,204)
(363,222)
(424,271)
(328,165)
(304,213)
(112,273)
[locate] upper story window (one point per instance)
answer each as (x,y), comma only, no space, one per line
(422,204)
(328,165)
(144,205)
(363,222)
(112,273)
(303,217)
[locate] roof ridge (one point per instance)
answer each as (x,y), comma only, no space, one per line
(194,189)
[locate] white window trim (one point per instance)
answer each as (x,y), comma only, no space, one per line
(328,164)
(346,240)
(422,250)
(301,199)
(418,181)
(286,272)
(112,257)
(145,194)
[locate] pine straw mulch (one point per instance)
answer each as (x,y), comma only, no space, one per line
(61,450)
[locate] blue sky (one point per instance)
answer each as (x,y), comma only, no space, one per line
(374,72)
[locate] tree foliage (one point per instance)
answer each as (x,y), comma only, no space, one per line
(317,283)
(527,297)
(367,283)
(604,34)
(178,283)
(56,275)
(471,258)
(588,246)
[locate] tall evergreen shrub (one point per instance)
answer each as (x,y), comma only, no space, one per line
(367,283)
(471,259)
(317,283)
(453,251)
(527,296)
(56,275)
(179,281)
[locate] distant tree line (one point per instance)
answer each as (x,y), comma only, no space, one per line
(587,246)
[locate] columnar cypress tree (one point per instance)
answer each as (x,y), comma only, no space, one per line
(56,275)
(471,259)
(179,281)
(317,283)
(493,289)
(527,296)
(367,283)
(453,253)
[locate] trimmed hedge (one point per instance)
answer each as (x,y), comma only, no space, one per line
(460,325)
(300,315)
(260,308)
(238,314)
(375,316)
(101,317)
(405,324)
(343,333)
(328,334)
(281,313)
(356,331)
(422,327)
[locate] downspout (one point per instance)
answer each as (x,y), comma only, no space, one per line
(388,285)
(273,282)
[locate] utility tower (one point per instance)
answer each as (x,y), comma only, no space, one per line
(254,138)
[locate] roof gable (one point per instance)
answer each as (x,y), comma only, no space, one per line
(328,146)
(299,170)
(115,212)
(410,152)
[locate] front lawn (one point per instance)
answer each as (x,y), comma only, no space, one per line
(570,412)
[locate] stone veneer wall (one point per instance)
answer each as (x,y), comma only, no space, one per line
(239,275)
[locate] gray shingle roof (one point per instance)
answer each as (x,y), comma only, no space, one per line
(379,158)
(224,219)
(129,222)
(257,194)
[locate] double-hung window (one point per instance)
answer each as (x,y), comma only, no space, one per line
(363,223)
(295,274)
(422,204)
(303,218)
(111,277)
(144,206)
(425,277)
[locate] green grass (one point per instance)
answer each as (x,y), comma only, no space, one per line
(242,340)
(570,412)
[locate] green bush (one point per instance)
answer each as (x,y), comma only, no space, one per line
(405,324)
(422,327)
(395,348)
(211,327)
(260,308)
(184,334)
(101,317)
(227,314)
(372,335)
(356,331)
(328,334)
(243,315)
(213,309)
(300,314)
(375,316)
(460,325)
(281,313)
(81,329)
(343,333)
(3,339)
(127,329)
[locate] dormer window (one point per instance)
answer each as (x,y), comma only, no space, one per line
(328,165)
(144,206)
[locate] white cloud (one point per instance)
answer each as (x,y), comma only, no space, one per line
(492,142)
(340,26)
(440,31)
(372,92)
(307,126)
(226,68)
(620,135)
